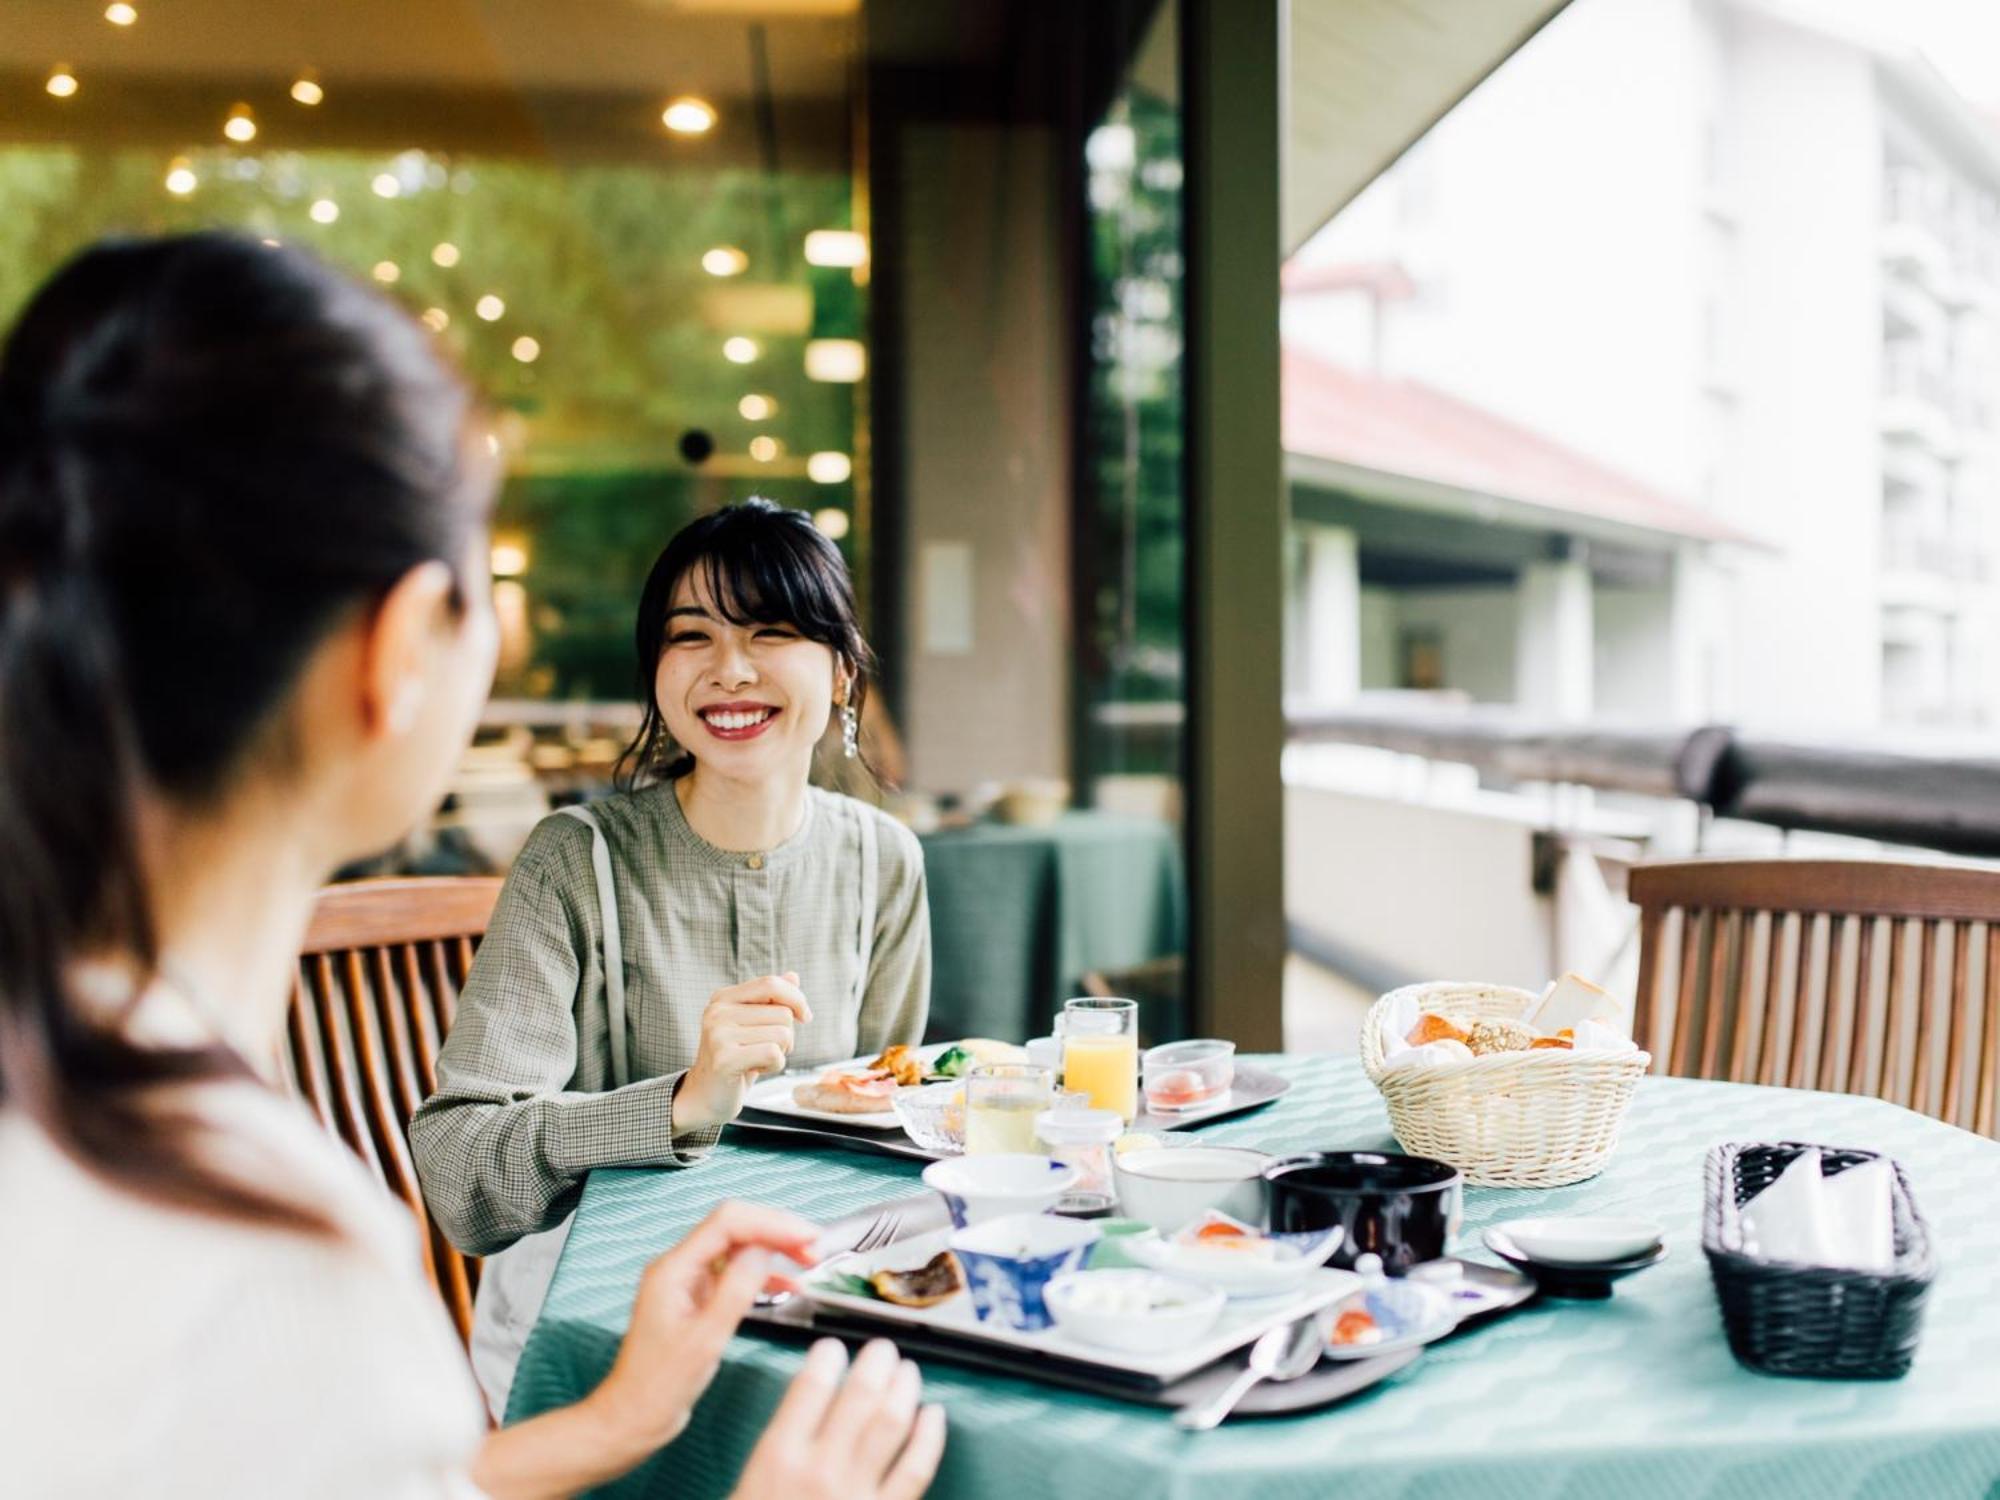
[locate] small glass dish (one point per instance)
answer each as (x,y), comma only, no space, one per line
(934,1116)
(1186,1075)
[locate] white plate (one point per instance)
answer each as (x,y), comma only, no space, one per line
(774,1095)
(1239,1325)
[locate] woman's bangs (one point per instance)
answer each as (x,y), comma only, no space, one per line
(761,584)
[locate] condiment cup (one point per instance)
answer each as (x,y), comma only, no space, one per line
(1010,1261)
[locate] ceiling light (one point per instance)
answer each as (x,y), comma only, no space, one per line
(829,468)
(386,185)
(840,361)
(490,308)
(445,254)
(836,247)
(756,408)
(740,351)
(120,14)
(62,83)
(765,448)
(830,523)
(324,211)
(307,91)
(180,177)
(387,272)
(725,260)
(688,116)
(436,319)
(240,127)
(527,350)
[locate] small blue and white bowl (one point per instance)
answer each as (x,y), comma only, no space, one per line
(978,1188)
(1009,1263)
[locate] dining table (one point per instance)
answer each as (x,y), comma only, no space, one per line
(1634,1396)
(1020,912)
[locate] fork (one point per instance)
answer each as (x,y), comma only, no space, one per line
(880,1231)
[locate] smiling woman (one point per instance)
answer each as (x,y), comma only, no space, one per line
(718,919)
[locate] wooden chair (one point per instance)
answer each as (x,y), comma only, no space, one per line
(1851,976)
(378,980)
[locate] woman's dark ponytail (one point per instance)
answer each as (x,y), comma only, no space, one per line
(209,449)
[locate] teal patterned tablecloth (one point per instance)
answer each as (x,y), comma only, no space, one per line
(1633,1397)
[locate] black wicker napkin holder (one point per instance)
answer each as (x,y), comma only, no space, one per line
(1789,1319)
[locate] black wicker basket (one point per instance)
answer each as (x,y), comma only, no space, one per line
(1789,1319)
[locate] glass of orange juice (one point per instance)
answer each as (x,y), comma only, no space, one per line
(1100,1041)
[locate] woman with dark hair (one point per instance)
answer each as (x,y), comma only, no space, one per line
(718,920)
(244,634)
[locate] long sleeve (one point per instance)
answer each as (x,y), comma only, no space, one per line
(524,1107)
(898,995)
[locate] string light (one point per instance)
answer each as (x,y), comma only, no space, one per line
(436,319)
(62,83)
(180,177)
(527,350)
(324,211)
(755,408)
(688,116)
(829,468)
(725,260)
(120,14)
(740,351)
(493,443)
(510,557)
(839,361)
(240,127)
(386,185)
(307,91)
(387,272)
(444,254)
(765,448)
(836,247)
(490,308)
(830,523)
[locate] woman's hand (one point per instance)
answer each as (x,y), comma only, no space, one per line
(861,1439)
(746,1030)
(689,1303)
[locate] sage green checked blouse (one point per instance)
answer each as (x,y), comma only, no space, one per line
(526,1104)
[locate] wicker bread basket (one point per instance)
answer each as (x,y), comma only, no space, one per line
(1537,1119)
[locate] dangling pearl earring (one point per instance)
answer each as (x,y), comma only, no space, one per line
(850,730)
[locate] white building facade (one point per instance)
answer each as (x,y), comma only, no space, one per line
(1751,260)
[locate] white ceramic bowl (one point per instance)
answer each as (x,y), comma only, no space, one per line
(1117,1309)
(978,1188)
(1237,1274)
(1174,1186)
(1582,1241)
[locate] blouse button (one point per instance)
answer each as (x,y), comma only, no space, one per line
(755,861)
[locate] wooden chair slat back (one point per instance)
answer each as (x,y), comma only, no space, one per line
(379,976)
(1778,972)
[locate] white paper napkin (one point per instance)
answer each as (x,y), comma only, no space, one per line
(1809,1219)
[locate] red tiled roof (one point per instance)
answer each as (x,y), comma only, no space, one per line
(1405,428)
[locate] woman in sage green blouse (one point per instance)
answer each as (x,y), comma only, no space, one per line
(757,922)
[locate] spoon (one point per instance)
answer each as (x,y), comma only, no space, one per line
(1284,1353)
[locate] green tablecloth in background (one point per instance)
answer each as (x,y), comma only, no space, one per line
(1630,1398)
(1018,915)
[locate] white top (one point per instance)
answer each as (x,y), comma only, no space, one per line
(146,1352)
